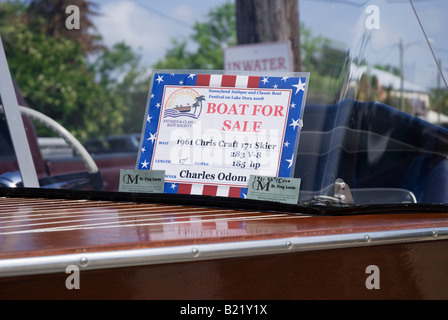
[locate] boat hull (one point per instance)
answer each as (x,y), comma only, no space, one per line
(405,271)
(88,249)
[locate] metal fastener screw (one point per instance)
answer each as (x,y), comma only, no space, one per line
(195,252)
(367,238)
(435,233)
(83,261)
(288,244)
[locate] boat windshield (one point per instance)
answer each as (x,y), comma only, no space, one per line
(309,102)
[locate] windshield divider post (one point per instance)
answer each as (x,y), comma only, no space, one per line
(15,124)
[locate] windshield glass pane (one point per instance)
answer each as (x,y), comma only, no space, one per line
(373,127)
(379,81)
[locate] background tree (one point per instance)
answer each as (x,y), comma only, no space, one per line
(11,13)
(55,78)
(269,21)
(209,39)
(53,14)
(119,71)
(309,46)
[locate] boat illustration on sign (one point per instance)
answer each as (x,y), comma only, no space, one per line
(183,108)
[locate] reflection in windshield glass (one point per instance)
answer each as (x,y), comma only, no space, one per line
(376,113)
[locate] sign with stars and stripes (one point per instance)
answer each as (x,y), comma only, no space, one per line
(211,132)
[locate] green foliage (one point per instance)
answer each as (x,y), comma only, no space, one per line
(51,15)
(55,78)
(439,100)
(118,70)
(209,38)
(309,46)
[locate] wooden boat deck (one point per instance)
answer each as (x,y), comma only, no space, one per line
(33,226)
(159,251)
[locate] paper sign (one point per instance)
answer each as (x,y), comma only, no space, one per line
(142,181)
(259,57)
(210,132)
(274,189)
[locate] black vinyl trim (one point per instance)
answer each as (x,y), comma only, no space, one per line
(223,202)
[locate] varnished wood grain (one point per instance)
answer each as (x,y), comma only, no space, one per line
(33,226)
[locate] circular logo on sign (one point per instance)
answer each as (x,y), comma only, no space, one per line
(184,102)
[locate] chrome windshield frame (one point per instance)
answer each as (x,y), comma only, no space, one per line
(15,124)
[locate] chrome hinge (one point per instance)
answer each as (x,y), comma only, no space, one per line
(341,196)
(342,192)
